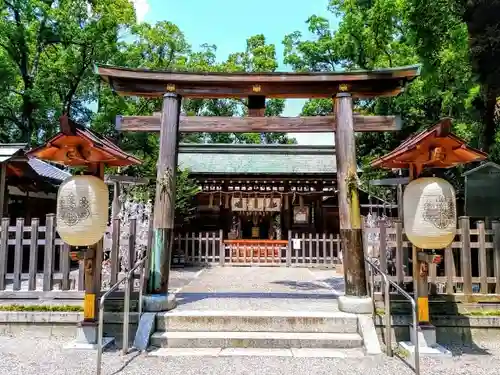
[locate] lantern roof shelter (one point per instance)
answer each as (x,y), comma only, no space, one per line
(76,145)
(360,83)
(436,147)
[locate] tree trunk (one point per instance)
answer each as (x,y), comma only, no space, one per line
(489,102)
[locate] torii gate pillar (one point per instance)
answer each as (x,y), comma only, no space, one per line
(158,298)
(356,298)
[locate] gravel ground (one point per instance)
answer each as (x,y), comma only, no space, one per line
(22,355)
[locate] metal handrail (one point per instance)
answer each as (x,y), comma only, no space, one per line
(387,301)
(126,311)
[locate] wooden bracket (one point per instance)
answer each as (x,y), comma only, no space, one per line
(256,105)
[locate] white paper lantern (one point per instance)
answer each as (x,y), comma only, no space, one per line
(82,210)
(430,213)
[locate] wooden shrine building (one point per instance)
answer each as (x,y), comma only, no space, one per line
(263,191)
(28,185)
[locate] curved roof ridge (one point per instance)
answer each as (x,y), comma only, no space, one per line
(255,148)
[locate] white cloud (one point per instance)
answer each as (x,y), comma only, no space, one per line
(141,9)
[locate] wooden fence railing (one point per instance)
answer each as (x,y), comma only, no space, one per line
(35,262)
(314,249)
(307,250)
(470,265)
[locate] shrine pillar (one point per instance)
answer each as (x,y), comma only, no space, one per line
(356,298)
(158,298)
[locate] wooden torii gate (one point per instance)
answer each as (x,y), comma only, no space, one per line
(343,87)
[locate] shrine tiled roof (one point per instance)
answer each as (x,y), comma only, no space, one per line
(257,159)
(20,165)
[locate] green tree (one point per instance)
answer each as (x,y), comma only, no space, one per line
(476,22)
(378,34)
(390,33)
(47,52)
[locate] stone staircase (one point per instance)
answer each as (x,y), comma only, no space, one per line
(289,331)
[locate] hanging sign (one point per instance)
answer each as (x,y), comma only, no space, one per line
(300,215)
(240,204)
(296,244)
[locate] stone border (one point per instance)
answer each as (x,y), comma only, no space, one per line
(445,321)
(70,317)
(48,324)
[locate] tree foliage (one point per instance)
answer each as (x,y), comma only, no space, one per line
(457,43)
(48,49)
(47,52)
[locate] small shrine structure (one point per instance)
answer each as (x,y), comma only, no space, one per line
(78,146)
(436,147)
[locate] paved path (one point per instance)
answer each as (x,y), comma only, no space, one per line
(261,288)
(23,355)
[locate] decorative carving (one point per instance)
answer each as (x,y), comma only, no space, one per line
(343,87)
(170,87)
(72,212)
(256,88)
(439,211)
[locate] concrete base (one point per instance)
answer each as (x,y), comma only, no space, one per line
(106,341)
(428,351)
(366,329)
(86,338)
(426,335)
(355,305)
(159,302)
(427,345)
(144,331)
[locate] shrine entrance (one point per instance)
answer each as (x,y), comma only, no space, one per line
(255,88)
(255,233)
(256,226)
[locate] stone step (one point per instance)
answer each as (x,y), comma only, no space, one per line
(279,340)
(257,321)
(258,352)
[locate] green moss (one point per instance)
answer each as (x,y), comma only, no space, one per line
(482,313)
(61,308)
(379,311)
(400,352)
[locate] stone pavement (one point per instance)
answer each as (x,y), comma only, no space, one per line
(261,288)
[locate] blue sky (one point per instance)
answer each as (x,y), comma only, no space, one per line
(228,24)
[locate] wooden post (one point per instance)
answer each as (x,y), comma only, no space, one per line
(496,253)
(400,203)
(131,249)
(466,255)
(483,267)
(288,260)
(348,196)
(48,258)
(115,208)
(93,266)
(400,274)
(3,189)
(222,249)
(164,209)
